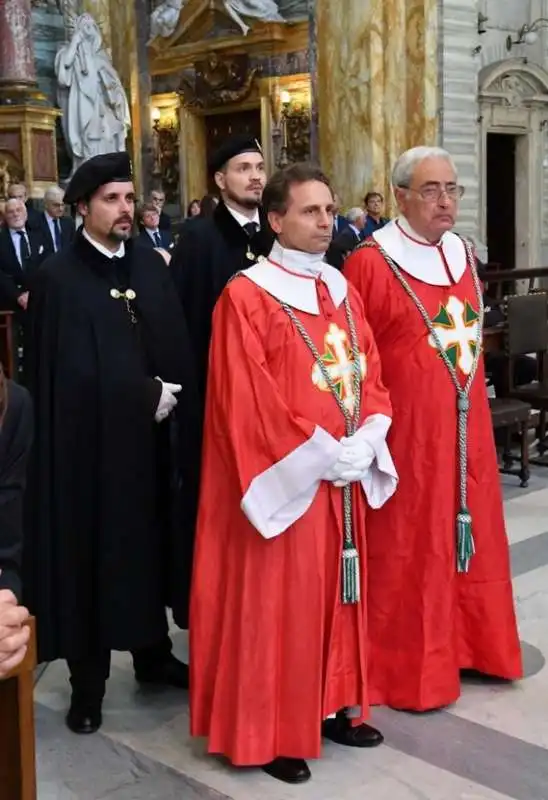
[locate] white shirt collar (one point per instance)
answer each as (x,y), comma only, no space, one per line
(353,227)
(120,253)
(294,281)
(418,257)
(242,220)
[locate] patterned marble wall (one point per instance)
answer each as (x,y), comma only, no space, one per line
(48,33)
(378,84)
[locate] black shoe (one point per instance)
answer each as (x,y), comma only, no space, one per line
(84,719)
(168,672)
(288,770)
(341,731)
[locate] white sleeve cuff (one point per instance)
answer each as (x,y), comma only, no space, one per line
(283,493)
(381,480)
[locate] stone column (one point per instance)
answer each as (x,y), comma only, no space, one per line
(376,89)
(129,26)
(17,70)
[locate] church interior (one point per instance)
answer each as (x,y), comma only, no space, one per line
(349,84)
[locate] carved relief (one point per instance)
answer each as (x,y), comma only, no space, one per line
(218,82)
(43,156)
(10,142)
(513,87)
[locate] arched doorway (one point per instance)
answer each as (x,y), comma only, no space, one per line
(513,98)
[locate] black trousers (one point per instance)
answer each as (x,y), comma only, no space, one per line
(89,676)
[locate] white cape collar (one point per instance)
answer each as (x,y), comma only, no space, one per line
(419,258)
(284,276)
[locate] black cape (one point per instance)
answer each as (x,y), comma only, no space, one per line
(208,253)
(15,444)
(101,557)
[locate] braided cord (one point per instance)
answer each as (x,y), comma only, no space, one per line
(465,540)
(350,582)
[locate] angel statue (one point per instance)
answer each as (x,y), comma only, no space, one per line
(164,18)
(89,92)
(265,10)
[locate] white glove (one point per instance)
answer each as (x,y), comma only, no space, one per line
(355,459)
(360,454)
(168,401)
(343,470)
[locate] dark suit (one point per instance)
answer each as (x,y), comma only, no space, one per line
(68,229)
(34,217)
(15,443)
(145,239)
(165,222)
(14,278)
(341,246)
(340,223)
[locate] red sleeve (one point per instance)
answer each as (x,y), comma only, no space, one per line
(375,398)
(367,271)
(279,457)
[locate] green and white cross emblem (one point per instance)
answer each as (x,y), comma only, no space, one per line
(456,325)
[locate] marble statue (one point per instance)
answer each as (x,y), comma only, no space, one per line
(265,10)
(165,17)
(294,9)
(89,92)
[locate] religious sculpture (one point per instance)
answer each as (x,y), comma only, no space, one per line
(265,10)
(164,18)
(95,109)
(218,81)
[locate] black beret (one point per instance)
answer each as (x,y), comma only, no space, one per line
(95,172)
(235,146)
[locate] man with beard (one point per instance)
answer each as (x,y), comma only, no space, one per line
(110,362)
(211,250)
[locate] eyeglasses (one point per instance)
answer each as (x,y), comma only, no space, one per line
(432,193)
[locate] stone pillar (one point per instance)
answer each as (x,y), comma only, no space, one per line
(129,27)
(377,83)
(27,122)
(17,70)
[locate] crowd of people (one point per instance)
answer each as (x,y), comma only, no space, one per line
(278,433)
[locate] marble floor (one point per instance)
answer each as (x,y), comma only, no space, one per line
(493,745)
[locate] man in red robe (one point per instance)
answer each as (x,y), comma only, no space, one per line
(440,594)
(295,428)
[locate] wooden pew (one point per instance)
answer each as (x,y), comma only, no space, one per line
(17,738)
(503,282)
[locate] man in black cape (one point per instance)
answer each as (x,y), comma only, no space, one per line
(211,250)
(111,372)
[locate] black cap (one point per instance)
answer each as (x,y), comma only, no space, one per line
(95,172)
(235,146)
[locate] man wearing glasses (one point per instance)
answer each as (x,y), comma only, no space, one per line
(440,594)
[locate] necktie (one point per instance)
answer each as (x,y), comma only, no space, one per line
(251,228)
(25,250)
(57,230)
(157,240)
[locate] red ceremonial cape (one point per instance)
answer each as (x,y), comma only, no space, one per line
(272,649)
(426,621)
